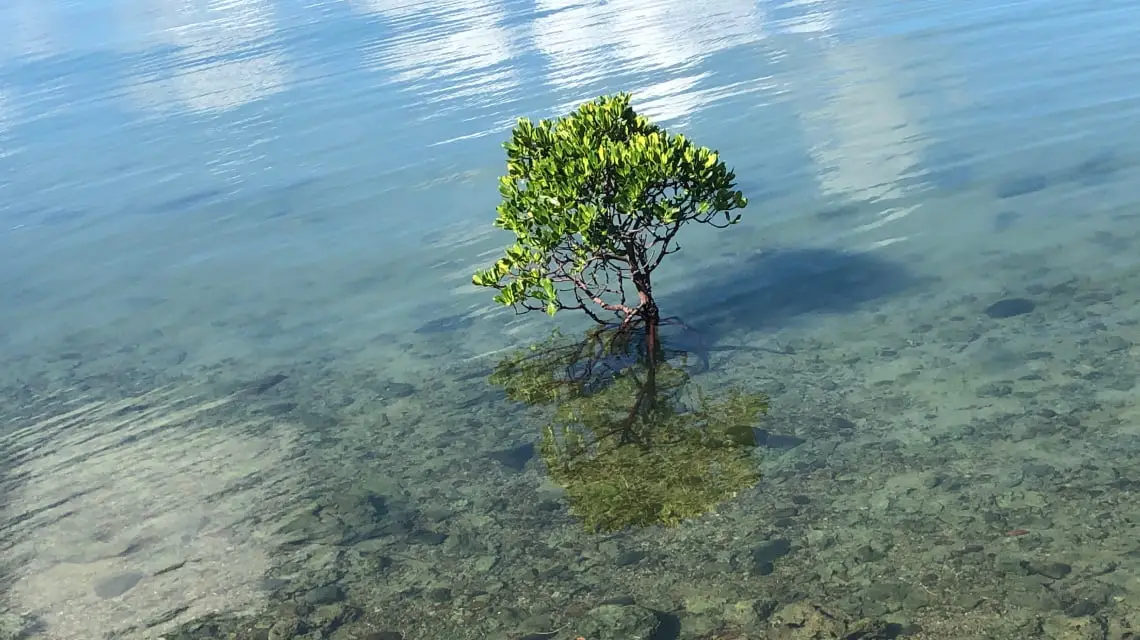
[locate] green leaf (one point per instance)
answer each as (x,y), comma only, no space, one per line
(584,190)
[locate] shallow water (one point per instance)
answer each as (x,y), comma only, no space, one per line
(245,370)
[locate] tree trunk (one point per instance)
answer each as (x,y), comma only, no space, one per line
(652,357)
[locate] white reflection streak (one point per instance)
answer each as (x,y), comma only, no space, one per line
(6,119)
(5,115)
(586,41)
(672,99)
(669,33)
(461,52)
(206,32)
(574,39)
(864,137)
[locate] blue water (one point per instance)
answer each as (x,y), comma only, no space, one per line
(209,192)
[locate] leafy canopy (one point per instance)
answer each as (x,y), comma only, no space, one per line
(595,200)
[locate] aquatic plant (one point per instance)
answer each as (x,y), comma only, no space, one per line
(596,200)
(631,440)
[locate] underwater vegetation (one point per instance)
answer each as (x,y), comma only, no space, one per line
(631,439)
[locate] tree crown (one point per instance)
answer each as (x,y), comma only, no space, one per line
(595,200)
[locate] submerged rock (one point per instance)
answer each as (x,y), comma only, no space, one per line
(326,594)
(1009,307)
(1005,220)
(446,324)
(117,585)
(1021,186)
(514,458)
(764,555)
(348,518)
(616,621)
(806,621)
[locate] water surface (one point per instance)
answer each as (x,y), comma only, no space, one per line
(244,367)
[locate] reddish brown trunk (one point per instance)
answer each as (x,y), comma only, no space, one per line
(654,355)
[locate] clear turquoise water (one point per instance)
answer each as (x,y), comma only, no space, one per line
(195,195)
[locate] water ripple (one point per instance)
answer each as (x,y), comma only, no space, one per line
(867,103)
(204,57)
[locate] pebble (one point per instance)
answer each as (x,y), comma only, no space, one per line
(628,558)
(771,551)
(1051,570)
(326,594)
(842,424)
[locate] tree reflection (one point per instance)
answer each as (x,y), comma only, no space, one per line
(632,439)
